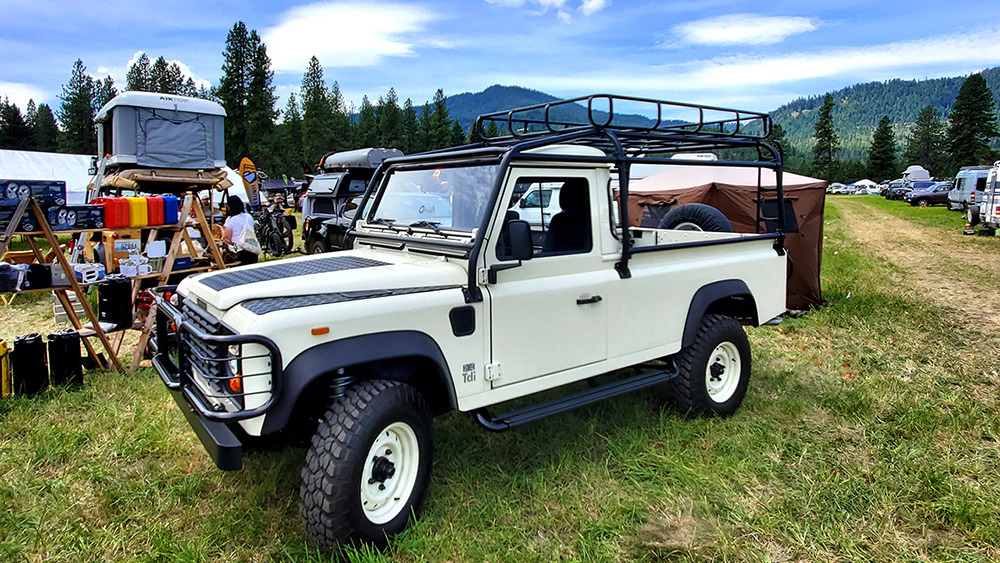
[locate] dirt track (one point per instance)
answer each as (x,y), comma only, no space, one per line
(932,261)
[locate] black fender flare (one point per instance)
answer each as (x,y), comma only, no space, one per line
(704,298)
(330,356)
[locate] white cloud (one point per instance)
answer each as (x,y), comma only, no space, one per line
(345,34)
(564,16)
(543,4)
(591,6)
(742,29)
(756,82)
(19,93)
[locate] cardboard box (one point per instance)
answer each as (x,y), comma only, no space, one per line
(48,193)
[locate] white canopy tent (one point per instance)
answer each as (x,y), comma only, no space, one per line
(31,165)
(866,183)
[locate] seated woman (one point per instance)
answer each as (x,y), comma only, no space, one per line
(237,219)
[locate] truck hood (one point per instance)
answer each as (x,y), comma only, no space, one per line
(317,275)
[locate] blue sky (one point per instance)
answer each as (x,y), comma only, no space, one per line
(751,55)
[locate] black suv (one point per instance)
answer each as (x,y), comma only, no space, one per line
(326,204)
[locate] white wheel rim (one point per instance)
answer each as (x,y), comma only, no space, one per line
(384,497)
(722,374)
(687,226)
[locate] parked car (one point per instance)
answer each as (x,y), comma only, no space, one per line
(934,194)
(897,190)
(970,182)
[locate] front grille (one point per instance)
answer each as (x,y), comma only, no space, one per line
(209,359)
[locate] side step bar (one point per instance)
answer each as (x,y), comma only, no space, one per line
(579,399)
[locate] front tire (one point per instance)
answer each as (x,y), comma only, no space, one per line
(714,370)
(922,202)
(367,467)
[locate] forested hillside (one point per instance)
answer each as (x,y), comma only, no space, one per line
(466,107)
(860,107)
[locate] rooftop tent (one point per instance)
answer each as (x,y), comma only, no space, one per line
(146,129)
(32,165)
(916,173)
(733,191)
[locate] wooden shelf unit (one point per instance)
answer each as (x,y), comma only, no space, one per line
(180,237)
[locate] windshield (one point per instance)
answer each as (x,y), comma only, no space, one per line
(451,198)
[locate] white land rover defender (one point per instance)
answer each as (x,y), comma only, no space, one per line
(456,306)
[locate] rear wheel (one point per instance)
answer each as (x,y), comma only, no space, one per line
(368,466)
(714,370)
(317,246)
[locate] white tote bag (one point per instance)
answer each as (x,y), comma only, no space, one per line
(248,239)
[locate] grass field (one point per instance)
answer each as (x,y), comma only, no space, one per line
(871,432)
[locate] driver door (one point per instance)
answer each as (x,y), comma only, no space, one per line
(548,315)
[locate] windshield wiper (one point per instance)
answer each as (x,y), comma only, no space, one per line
(386,222)
(432,225)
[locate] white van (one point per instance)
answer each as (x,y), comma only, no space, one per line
(970,182)
(989,209)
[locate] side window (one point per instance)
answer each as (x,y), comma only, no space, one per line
(558,212)
(323,205)
(980,184)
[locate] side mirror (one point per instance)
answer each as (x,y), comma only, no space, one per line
(92,171)
(519,235)
(523,203)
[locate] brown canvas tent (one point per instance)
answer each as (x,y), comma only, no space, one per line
(733,191)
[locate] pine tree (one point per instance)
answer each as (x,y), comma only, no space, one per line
(439,130)
(260,105)
(139,75)
(882,154)
(367,135)
(76,113)
(410,127)
(317,114)
(290,135)
(424,129)
(159,76)
(342,129)
(457,134)
(30,113)
(234,91)
(14,132)
(104,90)
(389,121)
(926,143)
(44,130)
(827,142)
(972,123)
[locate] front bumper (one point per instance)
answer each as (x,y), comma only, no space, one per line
(194,355)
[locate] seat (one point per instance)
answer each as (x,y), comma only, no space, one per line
(569,231)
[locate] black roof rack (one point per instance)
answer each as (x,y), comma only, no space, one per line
(706,127)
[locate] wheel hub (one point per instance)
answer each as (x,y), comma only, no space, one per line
(382,469)
(722,374)
(390,472)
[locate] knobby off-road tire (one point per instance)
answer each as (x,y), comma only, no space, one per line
(367,467)
(696,217)
(714,370)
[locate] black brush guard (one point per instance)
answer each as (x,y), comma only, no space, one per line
(194,336)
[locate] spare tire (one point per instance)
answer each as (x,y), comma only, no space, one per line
(696,217)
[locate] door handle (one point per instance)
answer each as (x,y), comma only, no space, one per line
(591,299)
